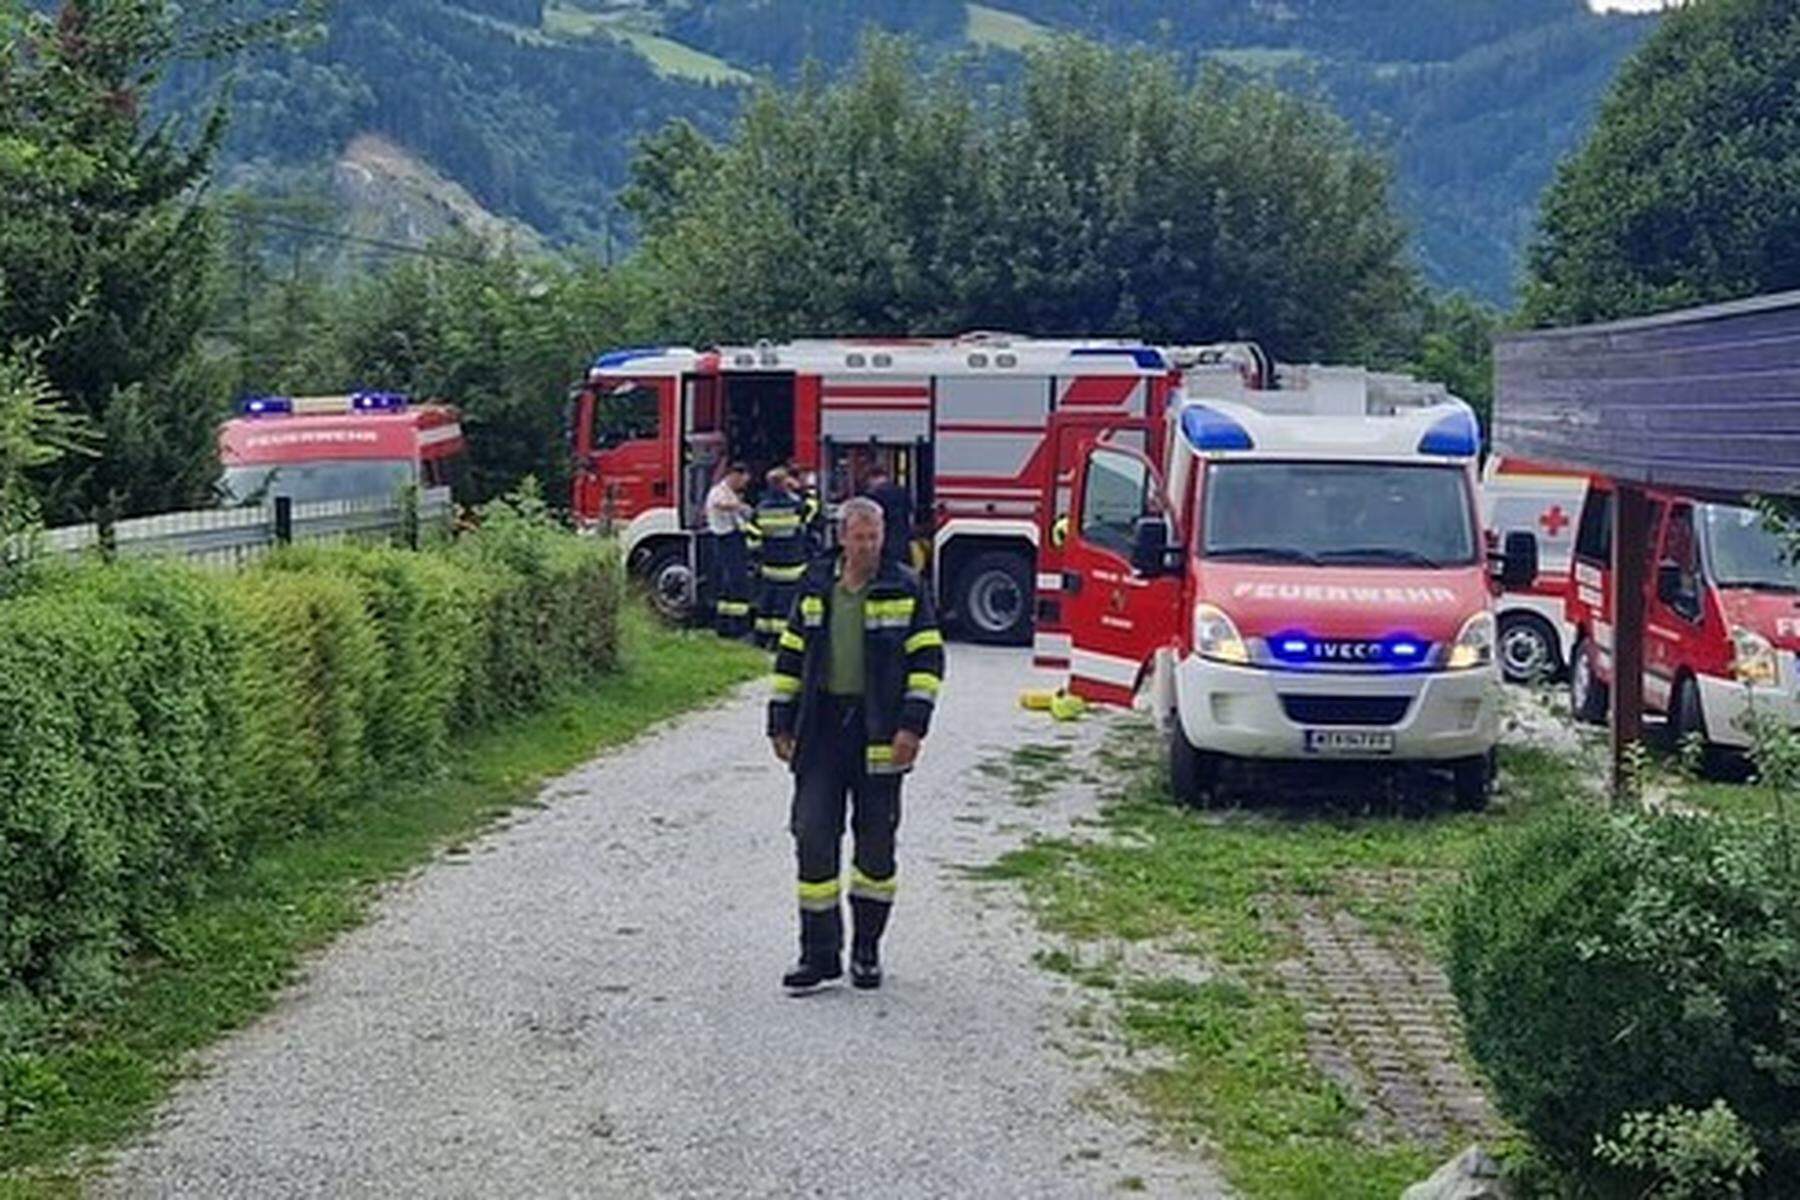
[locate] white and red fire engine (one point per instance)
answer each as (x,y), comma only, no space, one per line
(1301,574)
(982,431)
(317,448)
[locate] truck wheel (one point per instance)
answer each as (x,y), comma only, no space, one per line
(1687,719)
(1528,649)
(1588,698)
(1193,773)
(1474,779)
(993,599)
(671,583)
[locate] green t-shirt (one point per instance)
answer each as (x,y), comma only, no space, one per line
(845,676)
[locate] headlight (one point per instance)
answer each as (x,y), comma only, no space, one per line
(1752,658)
(1215,637)
(1474,646)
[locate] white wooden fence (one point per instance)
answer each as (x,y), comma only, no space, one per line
(229,536)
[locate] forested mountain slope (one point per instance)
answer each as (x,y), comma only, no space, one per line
(533,106)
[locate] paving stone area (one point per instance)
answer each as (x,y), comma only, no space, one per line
(1381,1022)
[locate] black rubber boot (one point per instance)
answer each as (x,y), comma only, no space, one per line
(808,974)
(865,969)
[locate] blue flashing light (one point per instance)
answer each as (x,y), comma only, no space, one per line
(1147,357)
(1455,436)
(1303,650)
(613,359)
(266,406)
(1209,429)
(378,401)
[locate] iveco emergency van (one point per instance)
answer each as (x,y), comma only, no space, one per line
(1303,576)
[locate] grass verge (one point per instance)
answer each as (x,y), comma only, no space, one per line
(1238,1077)
(225,958)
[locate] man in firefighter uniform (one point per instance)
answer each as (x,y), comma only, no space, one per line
(857,674)
(780,530)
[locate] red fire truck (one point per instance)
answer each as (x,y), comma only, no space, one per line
(982,430)
(315,448)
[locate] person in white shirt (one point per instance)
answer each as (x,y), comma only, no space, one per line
(726,514)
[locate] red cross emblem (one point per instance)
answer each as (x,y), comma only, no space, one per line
(1554,521)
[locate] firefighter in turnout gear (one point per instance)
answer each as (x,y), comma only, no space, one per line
(780,527)
(857,675)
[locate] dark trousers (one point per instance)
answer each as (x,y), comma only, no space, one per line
(731,585)
(772,609)
(831,778)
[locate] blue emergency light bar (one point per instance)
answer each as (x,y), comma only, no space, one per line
(613,359)
(1147,357)
(1209,429)
(1300,649)
(378,401)
(1456,436)
(266,406)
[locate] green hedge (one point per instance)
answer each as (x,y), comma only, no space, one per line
(1608,965)
(157,720)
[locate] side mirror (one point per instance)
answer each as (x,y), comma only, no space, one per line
(1669,587)
(1150,547)
(1519,561)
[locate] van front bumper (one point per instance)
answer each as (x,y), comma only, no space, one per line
(1728,705)
(1249,712)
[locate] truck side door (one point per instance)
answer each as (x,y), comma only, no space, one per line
(1117,616)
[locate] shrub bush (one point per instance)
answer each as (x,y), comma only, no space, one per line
(1610,964)
(157,720)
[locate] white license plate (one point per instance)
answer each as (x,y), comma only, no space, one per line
(1349,741)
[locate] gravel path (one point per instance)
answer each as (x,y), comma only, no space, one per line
(588,1005)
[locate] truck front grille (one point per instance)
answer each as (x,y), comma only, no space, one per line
(1346,710)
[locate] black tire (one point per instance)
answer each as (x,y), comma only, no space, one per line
(669,577)
(1589,698)
(1687,719)
(994,599)
(1474,781)
(1193,773)
(1530,651)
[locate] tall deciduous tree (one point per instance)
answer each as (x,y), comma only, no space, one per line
(1688,191)
(1103,193)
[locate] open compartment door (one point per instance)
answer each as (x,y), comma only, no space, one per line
(1118,614)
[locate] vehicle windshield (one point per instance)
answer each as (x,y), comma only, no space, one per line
(319,480)
(1743,552)
(1384,514)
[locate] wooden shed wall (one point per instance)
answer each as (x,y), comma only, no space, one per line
(1706,399)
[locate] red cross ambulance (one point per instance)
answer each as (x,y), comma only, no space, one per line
(1303,576)
(1519,496)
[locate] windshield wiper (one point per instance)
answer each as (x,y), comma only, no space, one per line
(1390,553)
(1762,585)
(1282,553)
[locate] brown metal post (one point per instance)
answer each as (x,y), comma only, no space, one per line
(1631,565)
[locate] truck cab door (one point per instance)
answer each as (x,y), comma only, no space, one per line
(1118,615)
(624,467)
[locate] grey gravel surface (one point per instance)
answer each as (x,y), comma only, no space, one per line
(587,1004)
